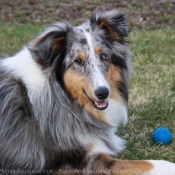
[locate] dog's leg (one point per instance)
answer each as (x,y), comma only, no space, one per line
(103,164)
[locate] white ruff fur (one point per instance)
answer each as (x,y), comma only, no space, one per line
(23,66)
(100,147)
(29,72)
(116,113)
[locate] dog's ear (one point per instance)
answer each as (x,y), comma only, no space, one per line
(112,22)
(51,44)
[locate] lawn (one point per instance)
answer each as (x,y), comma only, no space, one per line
(152,94)
(152,87)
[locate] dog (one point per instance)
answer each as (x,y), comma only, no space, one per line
(62,98)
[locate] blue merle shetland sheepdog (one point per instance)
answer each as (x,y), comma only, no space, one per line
(62,98)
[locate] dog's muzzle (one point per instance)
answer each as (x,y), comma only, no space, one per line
(101,94)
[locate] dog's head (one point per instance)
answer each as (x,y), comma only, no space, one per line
(90,62)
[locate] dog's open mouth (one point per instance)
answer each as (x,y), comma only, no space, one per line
(100,105)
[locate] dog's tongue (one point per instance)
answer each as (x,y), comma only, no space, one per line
(100,103)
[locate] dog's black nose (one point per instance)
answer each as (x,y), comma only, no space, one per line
(102,92)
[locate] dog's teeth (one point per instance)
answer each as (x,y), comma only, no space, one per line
(96,103)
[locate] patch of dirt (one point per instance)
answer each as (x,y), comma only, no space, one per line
(148,14)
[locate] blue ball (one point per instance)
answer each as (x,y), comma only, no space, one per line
(162,136)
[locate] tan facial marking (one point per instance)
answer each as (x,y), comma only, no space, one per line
(82,55)
(76,87)
(114,79)
(98,50)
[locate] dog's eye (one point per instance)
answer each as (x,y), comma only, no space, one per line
(103,57)
(79,62)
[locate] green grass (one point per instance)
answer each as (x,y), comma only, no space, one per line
(152,88)
(14,36)
(152,94)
